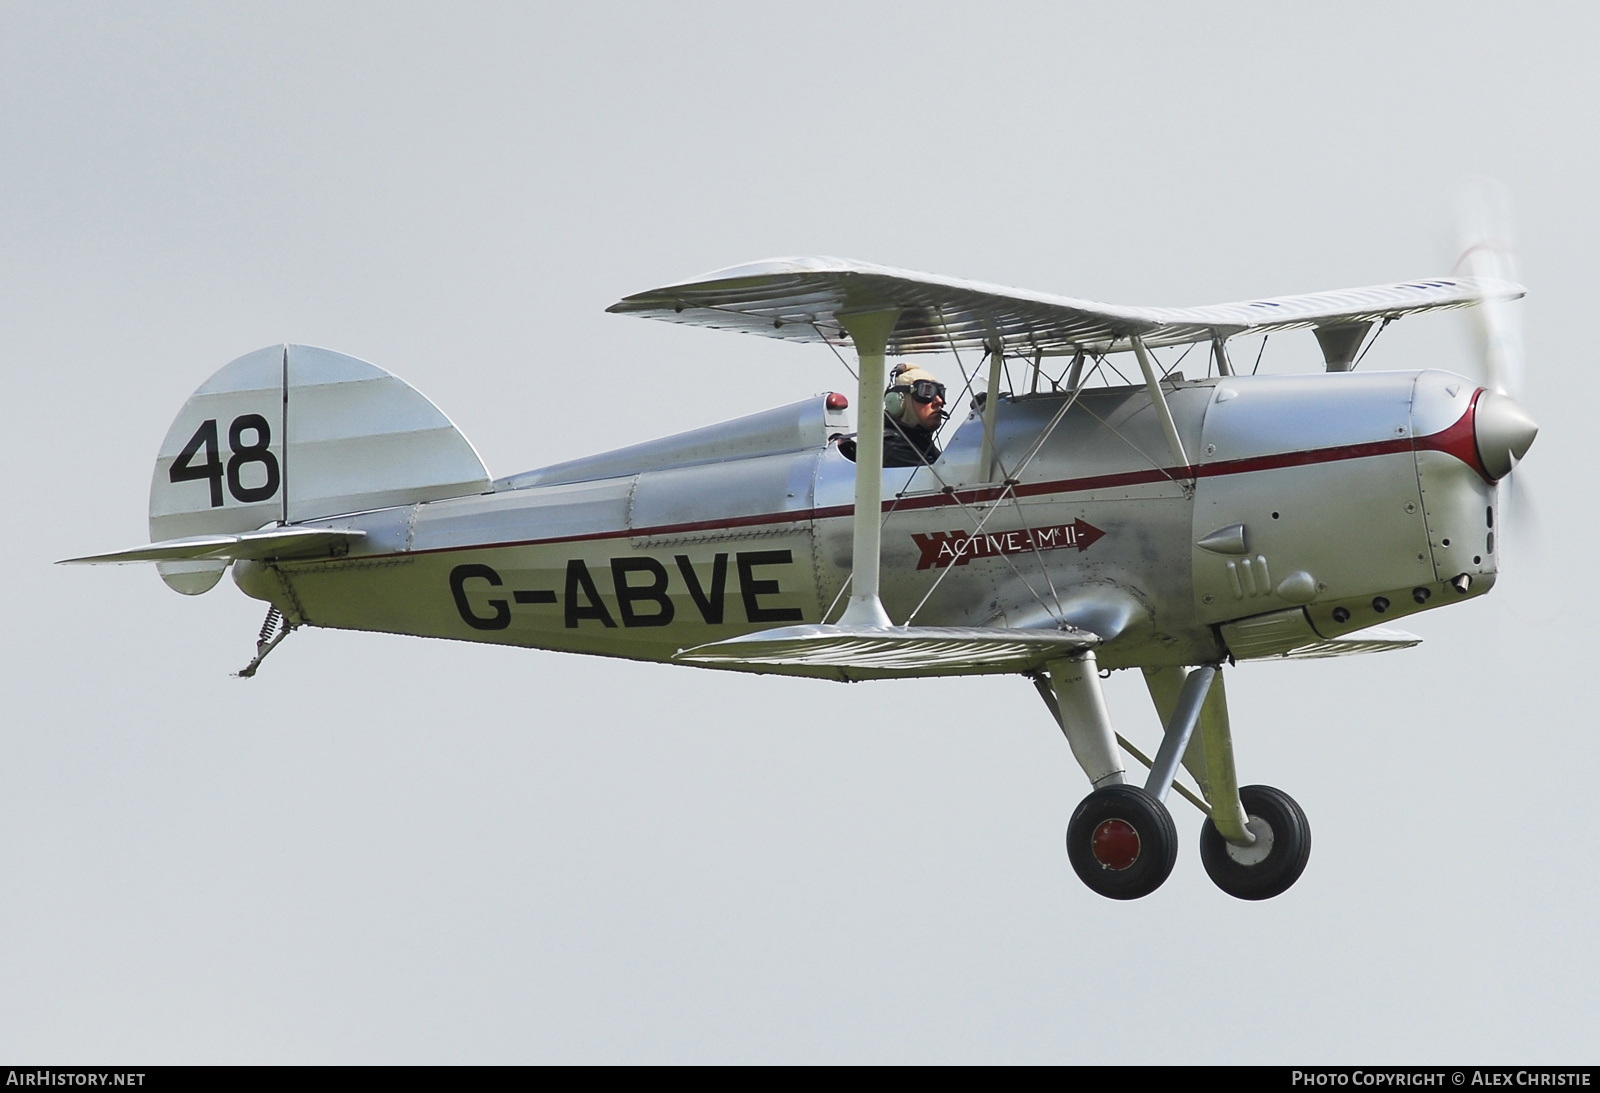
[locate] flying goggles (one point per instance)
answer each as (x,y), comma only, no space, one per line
(926,390)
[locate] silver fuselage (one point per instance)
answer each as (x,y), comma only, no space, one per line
(1326,504)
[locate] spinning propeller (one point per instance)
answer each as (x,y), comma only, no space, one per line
(1504,429)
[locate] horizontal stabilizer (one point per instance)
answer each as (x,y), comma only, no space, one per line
(893,651)
(264,545)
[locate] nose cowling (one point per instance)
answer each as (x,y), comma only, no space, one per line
(1503,431)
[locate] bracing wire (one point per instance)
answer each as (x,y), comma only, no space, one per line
(1165,372)
(836,353)
(1259,352)
(1387,319)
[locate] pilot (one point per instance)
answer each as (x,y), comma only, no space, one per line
(913,409)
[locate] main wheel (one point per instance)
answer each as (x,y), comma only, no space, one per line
(1122,842)
(1268,866)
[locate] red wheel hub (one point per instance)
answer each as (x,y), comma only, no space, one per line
(1115,844)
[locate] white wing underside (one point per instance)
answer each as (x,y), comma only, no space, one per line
(901,651)
(1374,639)
(1289,634)
(801,299)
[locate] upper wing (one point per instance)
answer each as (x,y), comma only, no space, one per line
(801,298)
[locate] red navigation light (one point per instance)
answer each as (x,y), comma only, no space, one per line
(836,401)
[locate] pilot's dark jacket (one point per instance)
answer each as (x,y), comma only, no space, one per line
(903,445)
(907,445)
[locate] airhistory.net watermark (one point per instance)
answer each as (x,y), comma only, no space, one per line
(51,1077)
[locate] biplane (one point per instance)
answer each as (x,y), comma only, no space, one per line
(1092,510)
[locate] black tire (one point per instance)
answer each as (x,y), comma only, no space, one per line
(1120,866)
(1232,870)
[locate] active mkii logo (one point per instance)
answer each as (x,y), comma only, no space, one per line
(944,548)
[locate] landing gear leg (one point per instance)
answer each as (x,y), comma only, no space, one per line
(1121,840)
(1180,724)
(1209,754)
(1256,842)
(273,631)
(1073,694)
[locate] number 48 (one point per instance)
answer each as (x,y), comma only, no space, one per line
(186,470)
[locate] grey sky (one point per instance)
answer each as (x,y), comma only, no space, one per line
(390,849)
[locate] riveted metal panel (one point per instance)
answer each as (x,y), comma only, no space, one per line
(1269,635)
(676,499)
(1458,505)
(1318,470)
(1255,416)
(1085,536)
(1438,399)
(551,512)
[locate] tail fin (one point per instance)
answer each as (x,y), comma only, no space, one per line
(292,433)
